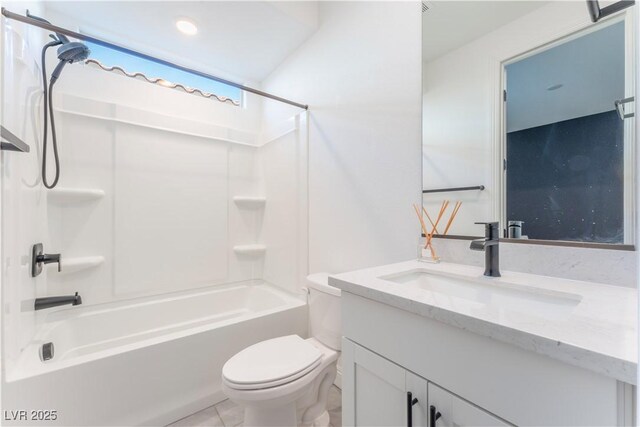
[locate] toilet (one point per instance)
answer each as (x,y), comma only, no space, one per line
(285,381)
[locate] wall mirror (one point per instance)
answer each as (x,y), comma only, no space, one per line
(528,119)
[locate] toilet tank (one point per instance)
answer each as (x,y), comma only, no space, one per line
(325,317)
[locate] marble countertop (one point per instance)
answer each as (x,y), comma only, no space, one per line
(594,326)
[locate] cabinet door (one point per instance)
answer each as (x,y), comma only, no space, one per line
(377,392)
(456,412)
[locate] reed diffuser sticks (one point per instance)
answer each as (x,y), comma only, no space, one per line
(456,208)
(428,246)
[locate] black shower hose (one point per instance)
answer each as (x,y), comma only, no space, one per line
(48,110)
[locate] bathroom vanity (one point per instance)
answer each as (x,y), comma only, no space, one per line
(442,345)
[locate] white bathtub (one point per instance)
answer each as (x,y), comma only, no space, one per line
(148,361)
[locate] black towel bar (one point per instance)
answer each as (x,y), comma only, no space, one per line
(446,190)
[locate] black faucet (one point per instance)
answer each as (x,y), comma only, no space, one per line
(490,247)
(49,302)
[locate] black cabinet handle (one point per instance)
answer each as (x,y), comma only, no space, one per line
(434,415)
(410,402)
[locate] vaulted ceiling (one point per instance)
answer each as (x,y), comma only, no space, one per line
(448,24)
(243,40)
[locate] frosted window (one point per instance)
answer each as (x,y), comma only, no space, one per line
(132,64)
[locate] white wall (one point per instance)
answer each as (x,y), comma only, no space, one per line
(361,76)
(284,228)
(461,94)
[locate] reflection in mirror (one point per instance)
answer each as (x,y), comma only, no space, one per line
(565,140)
(528,120)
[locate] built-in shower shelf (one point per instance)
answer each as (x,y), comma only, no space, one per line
(255,249)
(65,196)
(73,265)
(249,202)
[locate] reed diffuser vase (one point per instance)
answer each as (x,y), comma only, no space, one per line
(426,252)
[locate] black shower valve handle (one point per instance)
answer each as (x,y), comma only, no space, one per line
(39,258)
(50,258)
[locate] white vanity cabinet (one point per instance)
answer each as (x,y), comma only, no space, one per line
(377,392)
(470,379)
(451,411)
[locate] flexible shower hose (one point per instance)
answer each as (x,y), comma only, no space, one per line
(48,110)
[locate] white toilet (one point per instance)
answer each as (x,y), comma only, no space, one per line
(285,381)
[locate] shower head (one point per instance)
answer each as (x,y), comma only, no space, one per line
(68,53)
(73,51)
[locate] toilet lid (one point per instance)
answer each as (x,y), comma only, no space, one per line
(271,362)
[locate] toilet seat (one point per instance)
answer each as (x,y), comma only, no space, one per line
(271,363)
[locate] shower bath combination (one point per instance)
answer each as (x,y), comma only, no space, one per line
(211,292)
(68,53)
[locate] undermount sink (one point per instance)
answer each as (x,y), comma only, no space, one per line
(489,291)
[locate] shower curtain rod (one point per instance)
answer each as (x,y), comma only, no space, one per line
(46,26)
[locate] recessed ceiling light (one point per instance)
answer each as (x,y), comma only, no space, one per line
(555,87)
(187,27)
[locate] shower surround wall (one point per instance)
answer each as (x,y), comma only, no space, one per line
(162,196)
(173,215)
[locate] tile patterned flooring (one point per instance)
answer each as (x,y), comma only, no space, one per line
(228,414)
